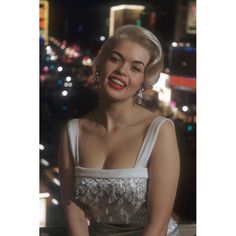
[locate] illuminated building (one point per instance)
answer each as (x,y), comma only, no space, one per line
(123,15)
(43,21)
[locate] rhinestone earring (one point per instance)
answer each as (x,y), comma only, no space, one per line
(140,96)
(97,74)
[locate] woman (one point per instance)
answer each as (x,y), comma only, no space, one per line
(119,165)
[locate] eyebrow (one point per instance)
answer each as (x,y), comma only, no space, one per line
(135,61)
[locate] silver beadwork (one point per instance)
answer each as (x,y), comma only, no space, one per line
(119,201)
(97,74)
(140,96)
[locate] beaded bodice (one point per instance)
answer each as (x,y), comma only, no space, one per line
(113,200)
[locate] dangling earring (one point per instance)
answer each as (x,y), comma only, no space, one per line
(97,74)
(140,96)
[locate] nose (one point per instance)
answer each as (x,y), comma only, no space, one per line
(122,69)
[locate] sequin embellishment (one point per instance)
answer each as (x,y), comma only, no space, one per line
(113,200)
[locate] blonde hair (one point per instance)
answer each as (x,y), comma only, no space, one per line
(143,37)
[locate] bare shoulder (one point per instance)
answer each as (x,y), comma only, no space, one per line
(166,146)
(167,128)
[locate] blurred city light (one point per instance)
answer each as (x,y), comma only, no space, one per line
(44,162)
(52,67)
(189,128)
(43,211)
(56,181)
(70,84)
(54,201)
(42,77)
(56,169)
(68,78)
(64,93)
(174,44)
(49,49)
(173,104)
(60,68)
(53,58)
(164,93)
(185,108)
(76,54)
(67,51)
(87,61)
(45,69)
(188,45)
(117,9)
(102,38)
(44,195)
(41,147)
(59,82)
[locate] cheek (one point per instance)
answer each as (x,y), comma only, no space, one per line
(138,80)
(107,69)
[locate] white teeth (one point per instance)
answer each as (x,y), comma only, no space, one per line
(116,81)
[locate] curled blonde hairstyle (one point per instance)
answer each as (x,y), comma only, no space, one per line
(143,37)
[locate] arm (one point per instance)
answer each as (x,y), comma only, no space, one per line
(75,217)
(164,169)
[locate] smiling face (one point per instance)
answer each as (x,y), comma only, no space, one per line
(122,73)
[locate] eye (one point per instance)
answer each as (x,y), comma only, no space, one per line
(115,59)
(136,69)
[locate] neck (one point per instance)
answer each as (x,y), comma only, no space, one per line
(114,114)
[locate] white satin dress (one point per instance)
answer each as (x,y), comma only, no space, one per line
(115,200)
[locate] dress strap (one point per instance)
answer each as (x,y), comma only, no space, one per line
(73,133)
(149,141)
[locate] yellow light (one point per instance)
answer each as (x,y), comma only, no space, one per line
(67,51)
(118,8)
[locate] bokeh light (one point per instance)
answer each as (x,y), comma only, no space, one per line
(59,68)
(64,93)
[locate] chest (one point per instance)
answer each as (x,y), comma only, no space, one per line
(118,149)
